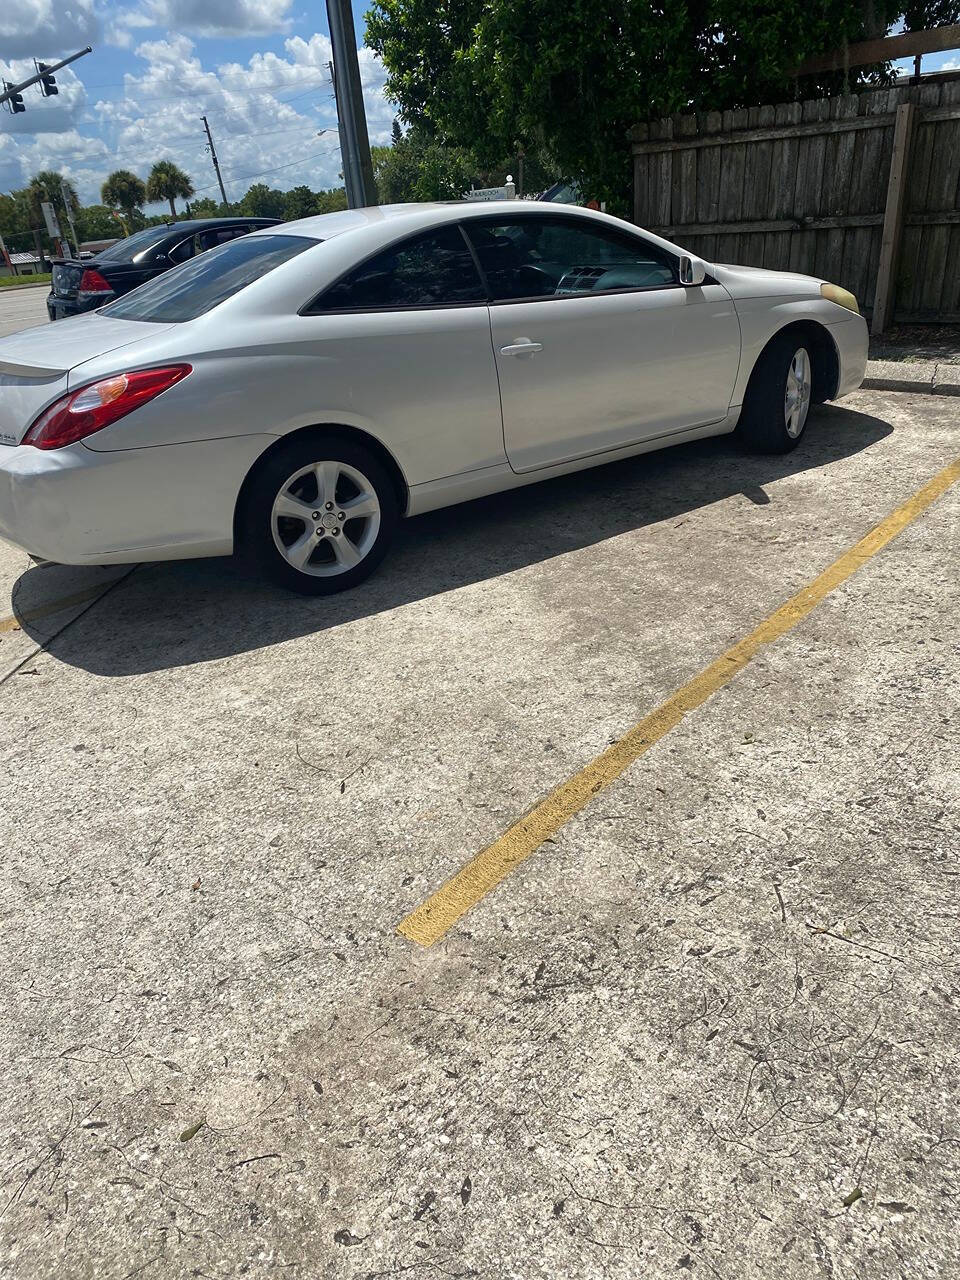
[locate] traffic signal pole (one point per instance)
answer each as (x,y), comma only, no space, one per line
(354,140)
(11,92)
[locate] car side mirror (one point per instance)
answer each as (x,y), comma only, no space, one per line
(693,270)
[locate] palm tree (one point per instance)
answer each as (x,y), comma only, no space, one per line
(166,182)
(50,186)
(123,190)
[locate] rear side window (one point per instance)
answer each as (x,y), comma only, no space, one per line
(205,281)
(135,246)
(431,270)
(555,257)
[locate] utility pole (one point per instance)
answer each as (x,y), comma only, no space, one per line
(213,157)
(354,140)
(69,212)
(12,92)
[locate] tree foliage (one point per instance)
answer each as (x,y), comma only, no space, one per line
(572,76)
(167,181)
(123,190)
(48,186)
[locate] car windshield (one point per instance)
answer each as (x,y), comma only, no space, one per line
(188,291)
(130,248)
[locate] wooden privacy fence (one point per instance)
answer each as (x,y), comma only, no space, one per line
(863,190)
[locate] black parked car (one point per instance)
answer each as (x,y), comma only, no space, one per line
(84,286)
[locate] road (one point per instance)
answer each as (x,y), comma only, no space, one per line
(709,1026)
(21,308)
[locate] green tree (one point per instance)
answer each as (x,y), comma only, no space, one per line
(572,76)
(262,201)
(16,216)
(167,181)
(205,207)
(124,191)
(97,222)
(301,202)
(420,167)
(48,186)
(331,201)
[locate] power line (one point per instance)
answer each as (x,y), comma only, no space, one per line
(244,176)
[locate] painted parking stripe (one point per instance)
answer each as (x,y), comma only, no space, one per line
(431,920)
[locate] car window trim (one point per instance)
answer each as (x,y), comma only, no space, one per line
(307,308)
(490,301)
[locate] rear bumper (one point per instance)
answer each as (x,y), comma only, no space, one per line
(60,308)
(75,506)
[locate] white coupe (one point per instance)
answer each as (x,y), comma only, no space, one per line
(294,393)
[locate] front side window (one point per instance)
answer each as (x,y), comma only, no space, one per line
(556,257)
(431,270)
(205,281)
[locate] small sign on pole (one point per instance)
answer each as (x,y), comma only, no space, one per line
(507,192)
(50,218)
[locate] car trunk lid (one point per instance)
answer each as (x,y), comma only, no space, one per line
(35,364)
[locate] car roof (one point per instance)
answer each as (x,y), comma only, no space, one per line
(394,221)
(202,224)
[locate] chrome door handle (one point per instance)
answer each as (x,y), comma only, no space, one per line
(522,347)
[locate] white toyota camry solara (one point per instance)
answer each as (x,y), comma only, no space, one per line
(293,393)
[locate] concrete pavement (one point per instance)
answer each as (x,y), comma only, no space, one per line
(709,1028)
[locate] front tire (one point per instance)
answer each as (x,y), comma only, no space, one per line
(777,402)
(318,515)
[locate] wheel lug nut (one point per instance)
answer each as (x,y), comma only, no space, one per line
(316,515)
(339,515)
(320,533)
(329,506)
(335,532)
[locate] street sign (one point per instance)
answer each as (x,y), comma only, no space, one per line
(50,218)
(507,192)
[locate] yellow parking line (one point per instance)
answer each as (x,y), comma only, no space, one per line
(431,920)
(55,606)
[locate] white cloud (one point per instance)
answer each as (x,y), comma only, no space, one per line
(210,17)
(40,28)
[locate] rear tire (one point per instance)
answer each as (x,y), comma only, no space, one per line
(318,515)
(777,402)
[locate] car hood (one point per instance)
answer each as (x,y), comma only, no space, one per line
(35,364)
(758,282)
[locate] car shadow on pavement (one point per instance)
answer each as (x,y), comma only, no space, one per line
(190,611)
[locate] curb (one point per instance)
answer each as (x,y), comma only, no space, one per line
(905,384)
(19,288)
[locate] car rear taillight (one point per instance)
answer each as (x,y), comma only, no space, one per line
(93,282)
(79,413)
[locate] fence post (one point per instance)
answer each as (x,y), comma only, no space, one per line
(884,294)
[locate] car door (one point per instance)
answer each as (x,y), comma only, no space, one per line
(400,345)
(598,345)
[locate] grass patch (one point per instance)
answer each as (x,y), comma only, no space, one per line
(11,282)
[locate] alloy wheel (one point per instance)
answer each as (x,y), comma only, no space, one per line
(325,519)
(796,399)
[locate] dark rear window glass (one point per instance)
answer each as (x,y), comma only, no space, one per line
(188,291)
(128,249)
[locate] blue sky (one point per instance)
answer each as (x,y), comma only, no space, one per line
(256,68)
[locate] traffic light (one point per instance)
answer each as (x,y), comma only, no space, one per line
(15,99)
(48,83)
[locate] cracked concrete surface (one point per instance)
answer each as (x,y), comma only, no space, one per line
(710,1029)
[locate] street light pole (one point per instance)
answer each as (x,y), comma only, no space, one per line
(354,140)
